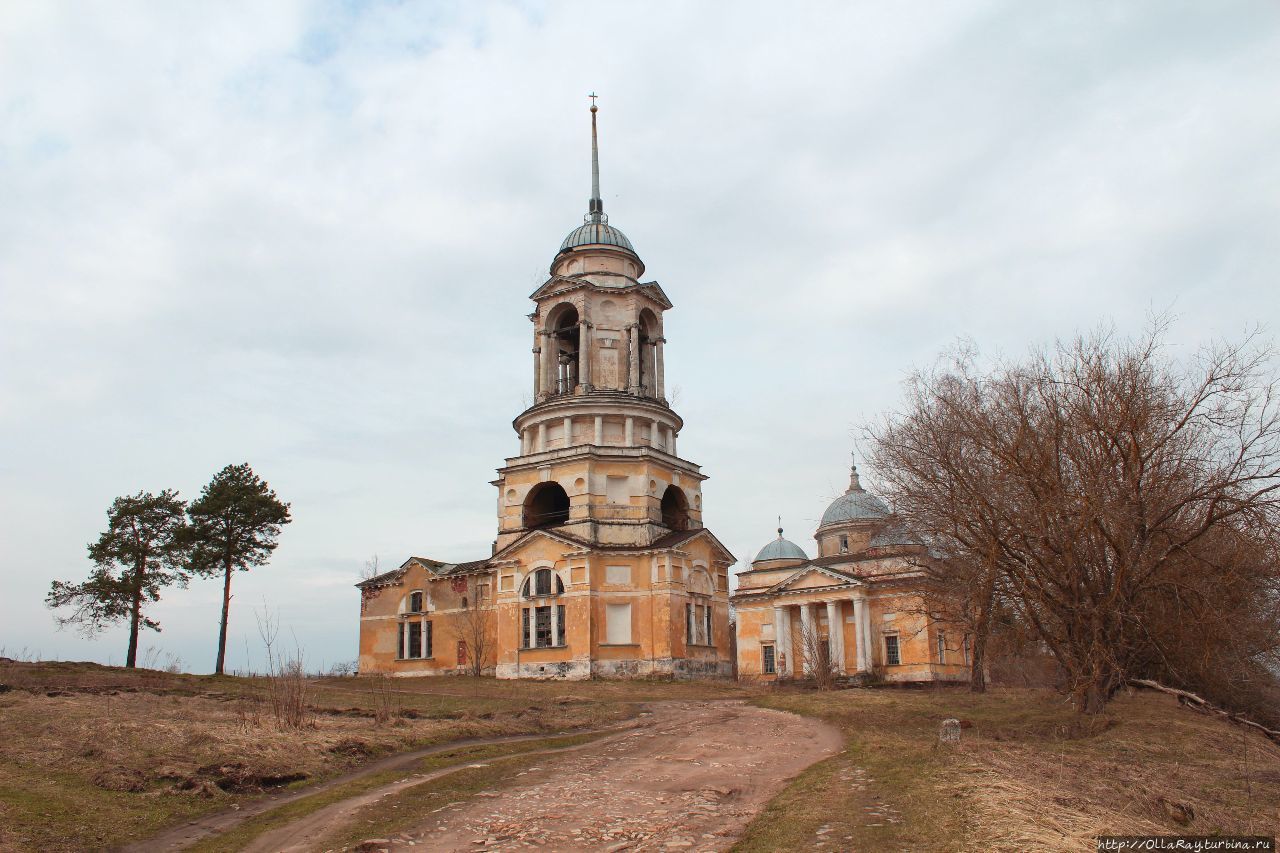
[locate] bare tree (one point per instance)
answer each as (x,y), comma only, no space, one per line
(1095,489)
(816,658)
(474,628)
(370,569)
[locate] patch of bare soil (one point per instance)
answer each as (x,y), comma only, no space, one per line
(691,776)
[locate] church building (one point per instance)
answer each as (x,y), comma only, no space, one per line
(860,608)
(601,565)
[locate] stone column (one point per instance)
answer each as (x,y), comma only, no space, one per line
(568,432)
(866,634)
(584,355)
(599,430)
(655,430)
(533,626)
(404,645)
(550,364)
(671,440)
(542,436)
(807,630)
(835,633)
(859,614)
(657,368)
(555,618)
(782,639)
(537,371)
(629,432)
(633,357)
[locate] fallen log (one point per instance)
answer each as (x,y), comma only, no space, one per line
(1200,704)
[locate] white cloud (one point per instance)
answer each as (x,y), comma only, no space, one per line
(302,236)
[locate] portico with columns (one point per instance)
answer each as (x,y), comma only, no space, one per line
(863,600)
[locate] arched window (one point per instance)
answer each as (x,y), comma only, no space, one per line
(542,625)
(565,341)
(414,602)
(648,331)
(547,505)
(675,508)
(542,583)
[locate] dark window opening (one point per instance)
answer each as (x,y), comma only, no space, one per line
(565,340)
(675,508)
(769,663)
(891,656)
(541,584)
(546,506)
(542,627)
(415,602)
(844,544)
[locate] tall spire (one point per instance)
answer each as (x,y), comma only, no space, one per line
(595,207)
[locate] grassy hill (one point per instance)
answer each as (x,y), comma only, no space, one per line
(94,756)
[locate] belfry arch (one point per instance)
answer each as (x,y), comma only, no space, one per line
(547,505)
(675,508)
(564,334)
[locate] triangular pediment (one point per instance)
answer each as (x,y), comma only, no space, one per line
(813,577)
(543,533)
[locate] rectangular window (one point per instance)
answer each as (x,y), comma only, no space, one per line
(891,650)
(706,621)
(542,627)
(426,639)
(617,620)
(688,623)
(768,661)
(524,627)
(844,544)
(620,575)
(942,647)
(415,639)
(559,624)
(415,602)
(400,646)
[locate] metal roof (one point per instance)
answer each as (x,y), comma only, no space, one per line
(781,549)
(596,234)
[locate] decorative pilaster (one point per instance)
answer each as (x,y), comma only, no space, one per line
(584,354)
(633,357)
(658,371)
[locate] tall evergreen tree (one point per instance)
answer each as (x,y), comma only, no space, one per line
(235,524)
(141,552)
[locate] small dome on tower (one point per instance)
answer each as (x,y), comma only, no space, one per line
(596,234)
(857,504)
(780,549)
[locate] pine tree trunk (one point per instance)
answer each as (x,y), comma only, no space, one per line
(135,617)
(222,628)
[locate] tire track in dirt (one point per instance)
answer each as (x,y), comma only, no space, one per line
(690,777)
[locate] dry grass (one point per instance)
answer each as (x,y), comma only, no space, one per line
(1029,774)
(94,756)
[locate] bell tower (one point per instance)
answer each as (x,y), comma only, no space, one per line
(598,447)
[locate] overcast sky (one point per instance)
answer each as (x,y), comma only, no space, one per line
(304,236)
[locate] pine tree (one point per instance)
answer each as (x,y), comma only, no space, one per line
(235,525)
(141,552)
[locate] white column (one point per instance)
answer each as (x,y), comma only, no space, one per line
(584,355)
(537,370)
(404,642)
(671,440)
(629,437)
(533,626)
(859,614)
(633,358)
(542,436)
(550,365)
(865,635)
(657,368)
(599,430)
(782,639)
(555,621)
(835,634)
(568,432)
(807,630)
(654,431)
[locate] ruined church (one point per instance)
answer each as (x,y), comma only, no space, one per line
(601,565)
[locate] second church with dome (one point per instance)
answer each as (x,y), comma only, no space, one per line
(860,604)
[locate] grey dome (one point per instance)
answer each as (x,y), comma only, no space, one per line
(857,504)
(596,234)
(894,534)
(781,549)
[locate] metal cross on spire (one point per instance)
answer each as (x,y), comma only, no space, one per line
(593,97)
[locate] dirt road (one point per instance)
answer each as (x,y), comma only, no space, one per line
(689,777)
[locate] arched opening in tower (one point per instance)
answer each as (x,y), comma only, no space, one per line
(675,508)
(648,352)
(566,334)
(546,506)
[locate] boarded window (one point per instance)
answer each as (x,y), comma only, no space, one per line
(618,575)
(891,657)
(617,490)
(768,660)
(415,602)
(618,623)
